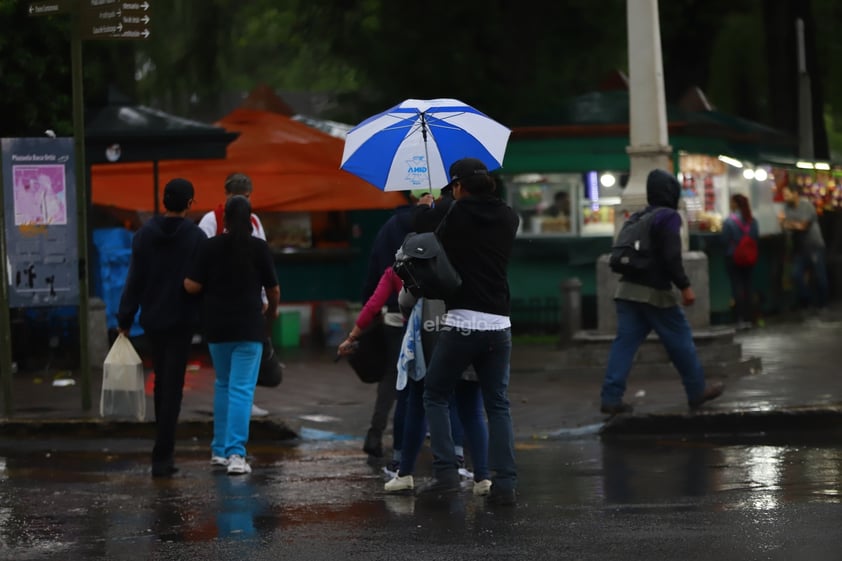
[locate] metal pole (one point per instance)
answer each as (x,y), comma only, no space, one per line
(81,206)
(155,186)
(5,317)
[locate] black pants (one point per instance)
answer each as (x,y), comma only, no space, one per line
(386,387)
(741,291)
(170,350)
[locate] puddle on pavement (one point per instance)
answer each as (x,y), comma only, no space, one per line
(79,500)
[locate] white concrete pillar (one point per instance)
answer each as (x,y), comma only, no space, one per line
(648,137)
(648,149)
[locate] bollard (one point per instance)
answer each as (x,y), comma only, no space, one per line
(97,332)
(571,309)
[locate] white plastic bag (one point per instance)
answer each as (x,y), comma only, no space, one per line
(123,394)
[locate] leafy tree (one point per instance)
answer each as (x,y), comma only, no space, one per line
(35,72)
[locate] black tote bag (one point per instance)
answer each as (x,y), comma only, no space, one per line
(369,357)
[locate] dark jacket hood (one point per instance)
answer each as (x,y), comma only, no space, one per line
(166,229)
(662,189)
(485,208)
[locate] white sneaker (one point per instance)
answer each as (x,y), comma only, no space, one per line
(219,461)
(258,411)
(399,484)
(237,465)
(482,488)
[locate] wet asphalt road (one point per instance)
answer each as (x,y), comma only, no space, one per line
(579,500)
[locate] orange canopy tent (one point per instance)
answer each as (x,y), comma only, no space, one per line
(294,167)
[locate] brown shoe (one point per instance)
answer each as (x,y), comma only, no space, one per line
(616,408)
(712,391)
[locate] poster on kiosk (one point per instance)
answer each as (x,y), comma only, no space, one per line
(39,205)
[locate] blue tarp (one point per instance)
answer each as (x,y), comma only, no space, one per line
(114,249)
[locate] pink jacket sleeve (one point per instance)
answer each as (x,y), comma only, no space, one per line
(390,283)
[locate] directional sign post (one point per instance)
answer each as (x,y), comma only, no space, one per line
(92,19)
(46,8)
(117,20)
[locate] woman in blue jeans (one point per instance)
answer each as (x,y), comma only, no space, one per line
(466,403)
(232,269)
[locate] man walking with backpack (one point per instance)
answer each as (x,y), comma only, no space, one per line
(648,255)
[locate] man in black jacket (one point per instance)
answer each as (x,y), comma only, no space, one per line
(161,251)
(389,238)
(645,302)
(478,235)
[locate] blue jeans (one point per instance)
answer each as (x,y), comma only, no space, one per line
(490,354)
(812,261)
(467,402)
(634,322)
(236,366)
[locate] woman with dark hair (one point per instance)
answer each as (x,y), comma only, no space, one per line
(231,269)
(740,234)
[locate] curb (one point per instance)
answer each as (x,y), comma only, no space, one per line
(260,430)
(822,421)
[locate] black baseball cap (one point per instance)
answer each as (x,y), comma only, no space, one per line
(464,168)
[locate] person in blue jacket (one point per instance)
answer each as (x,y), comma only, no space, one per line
(739,224)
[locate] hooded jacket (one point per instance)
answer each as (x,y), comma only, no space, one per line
(478,235)
(162,250)
(387,242)
(655,286)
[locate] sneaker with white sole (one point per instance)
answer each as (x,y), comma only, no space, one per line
(237,465)
(390,470)
(399,484)
(464,472)
(219,461)
(482,488)
(258,411)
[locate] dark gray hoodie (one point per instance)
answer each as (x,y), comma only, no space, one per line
(655,286)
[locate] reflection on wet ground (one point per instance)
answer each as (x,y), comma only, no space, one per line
(95,500)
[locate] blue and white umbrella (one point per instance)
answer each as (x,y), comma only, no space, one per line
(412,145)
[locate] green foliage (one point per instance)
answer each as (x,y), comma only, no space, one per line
(518,62)
(738,70)
(35,72)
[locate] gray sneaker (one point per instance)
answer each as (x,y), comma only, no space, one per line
(237,465)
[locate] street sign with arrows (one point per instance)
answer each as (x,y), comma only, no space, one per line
(47,8)
(116,20)
(102,19)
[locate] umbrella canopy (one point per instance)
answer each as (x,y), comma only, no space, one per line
(294,168)
(412,145)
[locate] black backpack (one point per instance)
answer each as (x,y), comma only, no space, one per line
(632,250)
(423,266)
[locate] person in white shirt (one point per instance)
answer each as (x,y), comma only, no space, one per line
(212,225)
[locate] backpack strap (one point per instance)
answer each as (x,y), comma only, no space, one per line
(745,228)
(444,218)
(219,213)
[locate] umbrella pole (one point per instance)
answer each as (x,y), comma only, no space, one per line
(426,153)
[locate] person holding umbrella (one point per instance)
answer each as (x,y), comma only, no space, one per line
(478,235)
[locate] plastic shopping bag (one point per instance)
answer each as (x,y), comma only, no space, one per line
(123,393)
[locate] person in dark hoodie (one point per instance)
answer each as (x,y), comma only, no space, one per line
(478,235)
(389,238)
(645,302)
(161,251)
